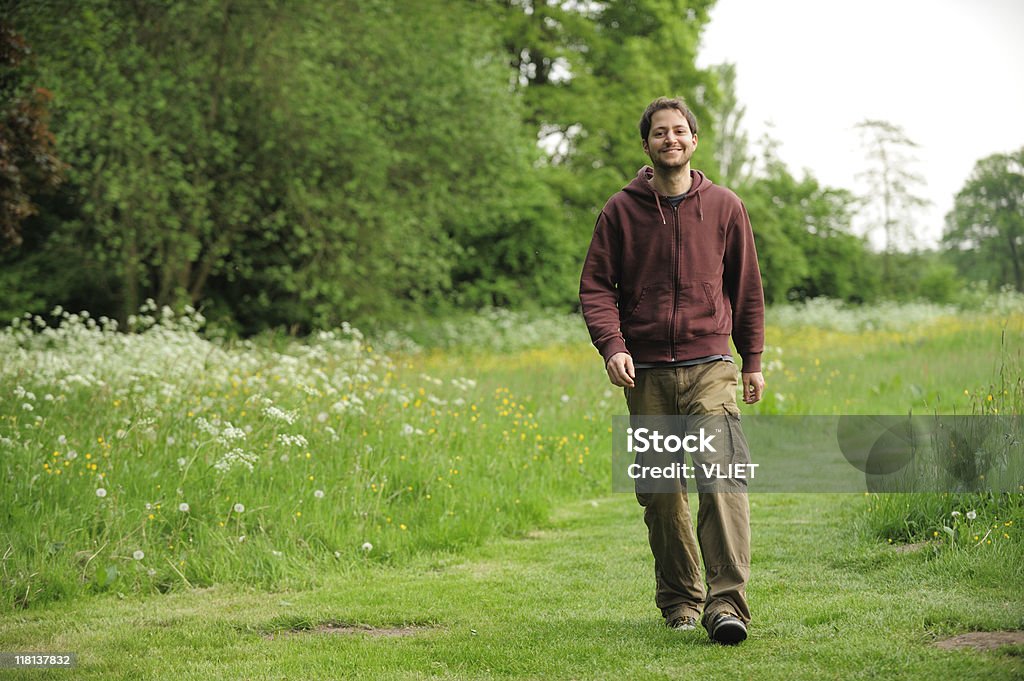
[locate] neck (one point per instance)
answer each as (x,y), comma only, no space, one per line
(672,181)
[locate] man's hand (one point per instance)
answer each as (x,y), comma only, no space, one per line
(753,387)
(620,370)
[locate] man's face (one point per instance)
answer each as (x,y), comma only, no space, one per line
(670,143)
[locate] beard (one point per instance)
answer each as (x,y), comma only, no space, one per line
(676,161)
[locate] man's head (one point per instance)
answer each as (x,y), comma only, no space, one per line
(660,104)
(669,132)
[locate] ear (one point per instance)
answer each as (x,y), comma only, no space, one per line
(647,149)
(694,140)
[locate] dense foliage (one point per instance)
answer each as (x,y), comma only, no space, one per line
(293,165)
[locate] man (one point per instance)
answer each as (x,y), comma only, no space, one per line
(671,272)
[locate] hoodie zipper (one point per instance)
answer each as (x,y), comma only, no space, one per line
(675,279)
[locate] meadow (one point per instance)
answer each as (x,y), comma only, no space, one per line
(170,459)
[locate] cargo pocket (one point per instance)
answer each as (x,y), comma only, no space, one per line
(737,440)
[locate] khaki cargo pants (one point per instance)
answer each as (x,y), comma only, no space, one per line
(723,518)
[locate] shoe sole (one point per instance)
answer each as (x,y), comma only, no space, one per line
(729,633)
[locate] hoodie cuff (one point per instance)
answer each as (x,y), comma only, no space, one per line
(751,363)
(614,346)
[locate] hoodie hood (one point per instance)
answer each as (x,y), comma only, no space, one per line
(642,188)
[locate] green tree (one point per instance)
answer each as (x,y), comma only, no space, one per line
(290,164)
(586,71)
(802,231)
(985,229)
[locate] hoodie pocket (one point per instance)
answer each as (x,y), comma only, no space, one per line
(646,317)
(697,314)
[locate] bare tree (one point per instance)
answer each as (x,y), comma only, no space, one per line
(891,178)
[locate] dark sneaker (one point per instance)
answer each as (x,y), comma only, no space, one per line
(727,630)
(684,623)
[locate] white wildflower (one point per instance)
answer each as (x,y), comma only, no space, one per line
(138,555)
(236,457)
(292,440)
(207,427)
(367,546)
(183,507)
(319,494)
(100,492)
(971,515)
(231,433)
(278,414)
(239,508)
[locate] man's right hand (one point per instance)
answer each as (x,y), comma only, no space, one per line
(620,370)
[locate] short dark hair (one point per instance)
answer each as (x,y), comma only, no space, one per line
(666,103)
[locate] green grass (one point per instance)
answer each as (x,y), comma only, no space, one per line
(436,466)
(573,599)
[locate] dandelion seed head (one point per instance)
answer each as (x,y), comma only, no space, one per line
(239,508)
(183,507)
(319,494)
(138,555)
(367,546)
(100,492)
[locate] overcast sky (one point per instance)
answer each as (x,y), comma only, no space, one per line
(950,72)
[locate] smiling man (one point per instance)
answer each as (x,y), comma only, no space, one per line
(671,273)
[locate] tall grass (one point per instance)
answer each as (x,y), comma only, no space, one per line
(157,459)
(161,458)
(968,520)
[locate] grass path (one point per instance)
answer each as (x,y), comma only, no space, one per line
(573,600)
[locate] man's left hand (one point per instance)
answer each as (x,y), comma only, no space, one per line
(753,387)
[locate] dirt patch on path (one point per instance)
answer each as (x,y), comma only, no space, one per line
(983,640)
(341,629)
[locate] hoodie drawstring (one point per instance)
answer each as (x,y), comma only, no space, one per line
(700,207)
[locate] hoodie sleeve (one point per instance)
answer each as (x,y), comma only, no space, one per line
(743,279)
(599,288)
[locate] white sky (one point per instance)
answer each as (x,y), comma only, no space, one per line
(950,72)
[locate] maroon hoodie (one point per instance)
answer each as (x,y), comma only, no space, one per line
(668,284)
